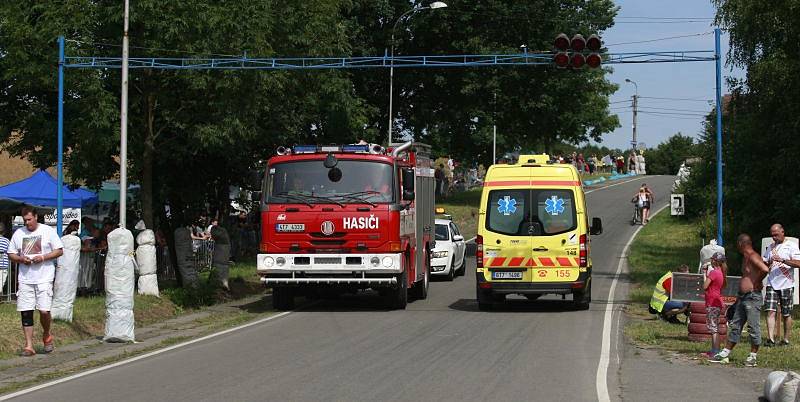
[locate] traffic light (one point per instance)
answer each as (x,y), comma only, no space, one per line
(577,51)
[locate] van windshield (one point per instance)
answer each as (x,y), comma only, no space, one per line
(531,212)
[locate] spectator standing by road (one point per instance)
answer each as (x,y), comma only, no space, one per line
(35,248)
(782,257)
(4,265)
(438,175)
(222,253)
(660,303)
(749,302)
(714,283)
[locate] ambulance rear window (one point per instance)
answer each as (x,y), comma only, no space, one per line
(536,212)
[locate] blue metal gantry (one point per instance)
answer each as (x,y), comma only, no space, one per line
(524,58)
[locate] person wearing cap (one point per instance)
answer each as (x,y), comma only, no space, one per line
(660,302)
(782,257)
(714,283)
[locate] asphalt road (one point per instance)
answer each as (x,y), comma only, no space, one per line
(441,348)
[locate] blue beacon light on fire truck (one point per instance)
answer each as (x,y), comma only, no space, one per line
(374,149)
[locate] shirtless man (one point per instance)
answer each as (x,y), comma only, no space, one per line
(748,303)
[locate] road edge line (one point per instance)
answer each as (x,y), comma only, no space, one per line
(605,346)
(140,357)
(617,184)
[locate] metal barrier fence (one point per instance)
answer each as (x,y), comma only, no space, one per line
(8,283)
(91,277)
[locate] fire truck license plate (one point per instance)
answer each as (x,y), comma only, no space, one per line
(506,275)
(290,227)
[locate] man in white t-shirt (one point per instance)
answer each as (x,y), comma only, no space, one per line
(35,248)
(782,257)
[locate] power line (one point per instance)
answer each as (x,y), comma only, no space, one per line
(676,110)
(676,99)
(661,39)
(673,114)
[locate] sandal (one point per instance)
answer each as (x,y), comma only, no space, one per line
(48,344)
(28,352)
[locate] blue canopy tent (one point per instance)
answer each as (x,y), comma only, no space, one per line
(42,189)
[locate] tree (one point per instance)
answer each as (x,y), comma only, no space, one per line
(191,134)
(668,156)
(455,109)
(761,121)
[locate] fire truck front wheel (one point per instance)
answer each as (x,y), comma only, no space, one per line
(397,298)
(283,298)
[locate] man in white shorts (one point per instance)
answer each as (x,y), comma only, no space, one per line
(35,248)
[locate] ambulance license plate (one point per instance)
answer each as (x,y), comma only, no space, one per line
(506,274)
(290,227)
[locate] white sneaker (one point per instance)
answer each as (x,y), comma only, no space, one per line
(750,361)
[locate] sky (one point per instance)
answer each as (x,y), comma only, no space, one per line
(694,80)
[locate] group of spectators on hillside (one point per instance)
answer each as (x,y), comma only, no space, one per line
(767,283)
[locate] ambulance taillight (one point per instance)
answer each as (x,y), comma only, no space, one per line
(584,261)
(479,251)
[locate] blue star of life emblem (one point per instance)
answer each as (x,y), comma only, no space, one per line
(554,206)
(507,205)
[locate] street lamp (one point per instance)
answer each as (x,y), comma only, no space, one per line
(432,6)
(635,109)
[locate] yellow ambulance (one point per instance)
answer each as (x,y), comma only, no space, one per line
(533,233)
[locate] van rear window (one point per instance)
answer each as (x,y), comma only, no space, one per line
(537,212)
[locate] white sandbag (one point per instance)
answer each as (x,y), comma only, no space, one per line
(66,283)
(772,384)
(146,262)
(787,392)
(119,275)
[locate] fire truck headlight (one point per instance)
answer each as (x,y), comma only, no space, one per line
(269,262)
(375,261)
(280,261)
(388,261)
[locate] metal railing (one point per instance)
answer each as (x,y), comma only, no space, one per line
(8,283)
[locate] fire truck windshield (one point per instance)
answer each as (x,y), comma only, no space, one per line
(310,182)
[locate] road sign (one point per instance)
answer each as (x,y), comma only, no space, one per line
(688,287)
(677,206)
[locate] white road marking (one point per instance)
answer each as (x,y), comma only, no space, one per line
(605,347)
(140,357)
(472,239)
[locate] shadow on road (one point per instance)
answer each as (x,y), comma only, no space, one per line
(517,306)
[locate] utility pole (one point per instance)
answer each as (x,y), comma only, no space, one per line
(123,130)
(635,110)
(494,130)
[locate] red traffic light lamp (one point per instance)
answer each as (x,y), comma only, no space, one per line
(577,51)
(578,43)
(562,42)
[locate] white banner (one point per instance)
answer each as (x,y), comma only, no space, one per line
(68,215)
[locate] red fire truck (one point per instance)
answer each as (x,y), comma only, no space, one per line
(343,218)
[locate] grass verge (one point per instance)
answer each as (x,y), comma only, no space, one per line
(463,207)
(662,245)
(89,312)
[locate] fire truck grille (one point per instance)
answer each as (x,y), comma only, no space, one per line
(328,260)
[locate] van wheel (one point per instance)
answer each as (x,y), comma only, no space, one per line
(583,299)
(452,273)
(283,298)
(484,301)
(462,270)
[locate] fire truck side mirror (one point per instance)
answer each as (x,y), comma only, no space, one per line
(408,184)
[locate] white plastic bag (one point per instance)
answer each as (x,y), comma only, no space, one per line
(146,261)
(787,392)
(66,283)
(119,275)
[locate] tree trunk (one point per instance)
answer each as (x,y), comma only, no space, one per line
(148,157)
